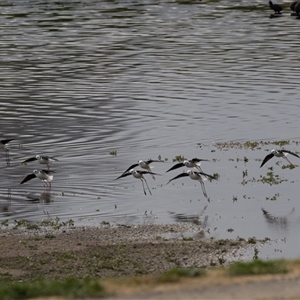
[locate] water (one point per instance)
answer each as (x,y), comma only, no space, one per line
(148,79)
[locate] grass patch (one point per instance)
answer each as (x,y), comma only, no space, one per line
(175,274)
(70,288)
(258,267)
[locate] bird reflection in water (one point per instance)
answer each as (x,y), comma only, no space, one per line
(282,222)
(43,198)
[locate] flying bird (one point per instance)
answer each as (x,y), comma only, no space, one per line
(278,153)
(144,164)
(277,8)
(44,160)
(192,163)
(45,175)
(199,176)
(139,175)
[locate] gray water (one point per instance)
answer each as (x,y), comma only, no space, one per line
(83,81)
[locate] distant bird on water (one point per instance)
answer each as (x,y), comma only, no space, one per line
(199,176)
(279,153)
(45,175)
(277,8)
(191,163)
(139,175)
(144,165)
(44,160)
(3,145)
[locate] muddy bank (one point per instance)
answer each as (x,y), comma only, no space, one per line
(113,251)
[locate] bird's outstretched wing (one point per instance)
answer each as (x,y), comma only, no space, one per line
(176,167)
(124,175)
(29,160)
(197,160)
(147,172)
(289,152)
(27,178)
(4,142)
(131,167)
(178,176)
(267,158)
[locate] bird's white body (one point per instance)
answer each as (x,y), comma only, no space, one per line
(45,160)
(43,176)
(195,176)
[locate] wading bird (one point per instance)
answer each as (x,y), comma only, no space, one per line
(199,176)
(279,153)
(138,175)
(144,165)
(192,163)
(4,144)
(44,175)
(277,8)
(43,160)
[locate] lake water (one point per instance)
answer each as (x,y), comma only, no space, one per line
(102,84)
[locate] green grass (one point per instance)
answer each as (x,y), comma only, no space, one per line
(70,288)
(258,267)
(175,274)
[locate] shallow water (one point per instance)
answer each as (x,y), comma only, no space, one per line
(150,79)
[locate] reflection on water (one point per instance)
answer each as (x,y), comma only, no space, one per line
(103,84)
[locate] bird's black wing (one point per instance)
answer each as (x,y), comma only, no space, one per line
(147,172)
(151,161)
(131,167)
(27,178)
(29,160)
(196,160)
(176,167)
(124,175)
(178,176)
(267,158)
(6,141)
(289,152)
(207,175)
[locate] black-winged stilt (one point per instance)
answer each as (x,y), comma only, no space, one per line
(45,175)
(4,144)
(144,164)
(279,153)
(191,163)
(199,176)
(138,175)
(42,159)
(277,8)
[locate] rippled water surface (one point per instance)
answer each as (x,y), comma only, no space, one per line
(102,84)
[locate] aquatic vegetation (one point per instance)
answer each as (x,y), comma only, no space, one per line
(113,153)
(179,158)
(271,179)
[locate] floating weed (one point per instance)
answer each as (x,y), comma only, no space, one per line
(245,173)
(289,166)
(113,153)
(274,197)
(281,143)
(178,158)
(230,229)
(258,267)
(251,145)
(271,179)
(234,198)
(216,176)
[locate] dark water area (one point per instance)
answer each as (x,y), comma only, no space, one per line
(102,84)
